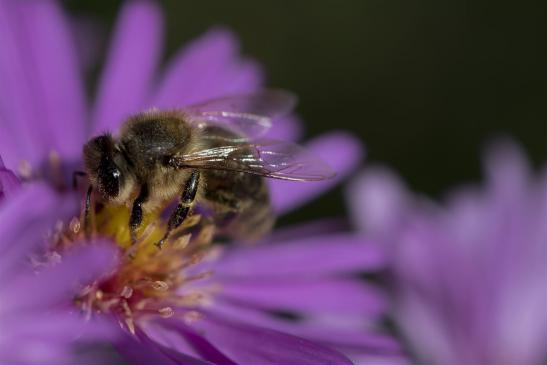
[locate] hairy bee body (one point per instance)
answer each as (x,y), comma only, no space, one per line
(209,155)
(241,201)
(237,202)
(145,141)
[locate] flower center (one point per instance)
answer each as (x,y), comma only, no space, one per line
(173,281)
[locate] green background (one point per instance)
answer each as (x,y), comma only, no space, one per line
(423,83)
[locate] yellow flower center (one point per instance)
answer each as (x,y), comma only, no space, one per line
(147,281)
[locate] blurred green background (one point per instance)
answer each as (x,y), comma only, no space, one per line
(423,83)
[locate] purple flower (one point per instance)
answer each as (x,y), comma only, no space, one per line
(36,327)
(469,275)
(189,303)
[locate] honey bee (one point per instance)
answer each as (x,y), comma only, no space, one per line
(210,155)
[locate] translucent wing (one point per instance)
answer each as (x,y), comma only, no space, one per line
(248,116)
(267,103)
(271,158)
(244,127)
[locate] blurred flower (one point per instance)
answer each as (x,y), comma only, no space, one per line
(36,327)
(189,303)
(469,276)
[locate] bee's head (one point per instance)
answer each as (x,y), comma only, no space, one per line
(105,166)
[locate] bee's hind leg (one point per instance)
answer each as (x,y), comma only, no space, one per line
(135,219)
(183,207)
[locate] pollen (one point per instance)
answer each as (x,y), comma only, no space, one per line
(147,281)
(25,170)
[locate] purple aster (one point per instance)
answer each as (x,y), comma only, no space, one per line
(469,275)
(189,303)
(35,325)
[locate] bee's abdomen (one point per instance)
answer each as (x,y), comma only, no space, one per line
(241,203)
(254,223)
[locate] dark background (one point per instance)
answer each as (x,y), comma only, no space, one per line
(423,83)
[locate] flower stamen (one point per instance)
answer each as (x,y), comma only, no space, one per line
(147,282)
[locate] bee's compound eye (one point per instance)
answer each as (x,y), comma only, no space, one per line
(110,178)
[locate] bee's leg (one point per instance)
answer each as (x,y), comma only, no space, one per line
(135,219)
(75,176)
(87,212)
(183,207)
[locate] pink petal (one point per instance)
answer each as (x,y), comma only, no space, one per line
(207,68)
(341,151)
(184,339)
(507,170)
(133,57)
(380,360)
(305,230)
(336,332)
(19,138)
(77,268)
(378,201)
(142,350)
(343,297)
(53,75)
(24,220)
(311,257)
(247,344)
(9,183)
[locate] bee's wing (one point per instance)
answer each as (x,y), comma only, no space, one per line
(243,126)
(247,115)
(269,158)
(266,103)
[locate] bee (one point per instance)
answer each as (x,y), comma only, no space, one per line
(212,155)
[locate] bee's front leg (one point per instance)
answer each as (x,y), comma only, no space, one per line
(135,219)
(183,207)
(88,212)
